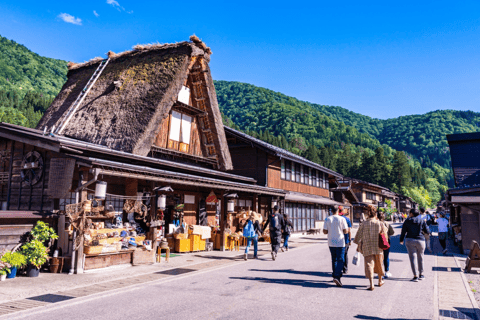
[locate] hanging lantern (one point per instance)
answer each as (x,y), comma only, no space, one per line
(100,190)
(162,202)
(231,206)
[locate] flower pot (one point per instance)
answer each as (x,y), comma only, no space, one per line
(13,273)
(32,271)
(3,277)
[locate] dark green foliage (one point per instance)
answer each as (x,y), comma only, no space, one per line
(24,70)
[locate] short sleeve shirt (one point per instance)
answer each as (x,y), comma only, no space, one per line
(335,225)
(442,225)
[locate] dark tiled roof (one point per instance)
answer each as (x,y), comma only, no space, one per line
(281,152)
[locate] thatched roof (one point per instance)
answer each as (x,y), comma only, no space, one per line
(135,92)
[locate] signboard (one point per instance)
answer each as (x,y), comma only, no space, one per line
(211,199)
(466,199)
(381,204)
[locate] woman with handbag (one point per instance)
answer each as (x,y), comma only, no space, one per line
(386,252)
(413,231)
(251,231)
(368,239)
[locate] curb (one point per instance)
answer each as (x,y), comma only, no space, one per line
(467,287)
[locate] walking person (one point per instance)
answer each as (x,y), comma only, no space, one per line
(367,238)
(425,217)
(277,224)
(286,232)
(443,231)
(413,231)
(348,236)
(336,228)
(251,231)
(386,253)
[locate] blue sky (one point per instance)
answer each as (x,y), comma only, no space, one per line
(381,59)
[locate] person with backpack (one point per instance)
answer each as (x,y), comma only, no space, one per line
(251,231)
(277,224)
(348,236)
(386,252)
(425,217)
(287,232)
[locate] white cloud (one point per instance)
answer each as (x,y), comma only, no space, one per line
(96,14)
(113,3)
(68,18)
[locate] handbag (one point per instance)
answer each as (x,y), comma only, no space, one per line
(383,241)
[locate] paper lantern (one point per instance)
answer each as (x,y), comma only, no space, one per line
(100,190)
(162,202)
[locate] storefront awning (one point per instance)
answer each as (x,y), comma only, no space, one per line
(303,197)
(111,168)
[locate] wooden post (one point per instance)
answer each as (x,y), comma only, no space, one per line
(222,222)
(80,262)
(61,234)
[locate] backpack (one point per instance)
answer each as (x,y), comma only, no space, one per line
(249,230)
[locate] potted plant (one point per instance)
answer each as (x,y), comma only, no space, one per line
(4,269)
(36,254)
(43,232)
(16,261)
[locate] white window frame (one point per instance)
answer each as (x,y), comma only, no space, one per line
(302,174)
(282,169)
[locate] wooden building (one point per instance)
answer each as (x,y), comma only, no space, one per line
(139,121)
(307,199)
(463,201)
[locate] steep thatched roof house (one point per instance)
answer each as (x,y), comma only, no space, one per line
(155,100)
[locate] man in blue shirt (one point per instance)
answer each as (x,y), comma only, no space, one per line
(347,238)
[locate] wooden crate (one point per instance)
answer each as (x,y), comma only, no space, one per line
(183,245)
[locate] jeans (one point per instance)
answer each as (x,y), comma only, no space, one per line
(255,245)
(345,265)
(386,259)
(285,241)
(442,237)
(415,248)
(338,261)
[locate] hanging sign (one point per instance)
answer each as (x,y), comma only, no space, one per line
(211,199)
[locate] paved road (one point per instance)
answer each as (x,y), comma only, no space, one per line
(297,285)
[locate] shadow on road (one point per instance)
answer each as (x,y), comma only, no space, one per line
(298,282)
(308,273)
(360,316)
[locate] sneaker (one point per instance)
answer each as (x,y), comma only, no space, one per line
(387,275)
(337,282)
(444,251)
(421,277)
(345,271)
(274,255)
(255,257)
(245,256)
(282,249)
(415,279)
(286,248)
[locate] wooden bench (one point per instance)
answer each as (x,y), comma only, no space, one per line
(473,260)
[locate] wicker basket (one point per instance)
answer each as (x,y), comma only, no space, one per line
(92,249)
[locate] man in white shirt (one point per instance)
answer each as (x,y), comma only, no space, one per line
(443,231)
(336,227)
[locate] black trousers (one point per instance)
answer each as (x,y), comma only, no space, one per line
(276,240)
(345,265)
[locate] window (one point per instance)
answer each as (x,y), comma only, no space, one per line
(370,195)
(189,199)
(302,174)
(282,169)
(327,184)
(297,172)
(288,170)
(180,129)
(322,180)
(293,171)
(310,178)
(314,177)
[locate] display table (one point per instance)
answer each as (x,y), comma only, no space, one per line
(104,260)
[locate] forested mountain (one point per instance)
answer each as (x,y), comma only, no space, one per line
(28,83)
(22,69)
(303,128)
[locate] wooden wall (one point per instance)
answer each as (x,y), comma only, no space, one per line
(274,181)
(23,196)
(249,162)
